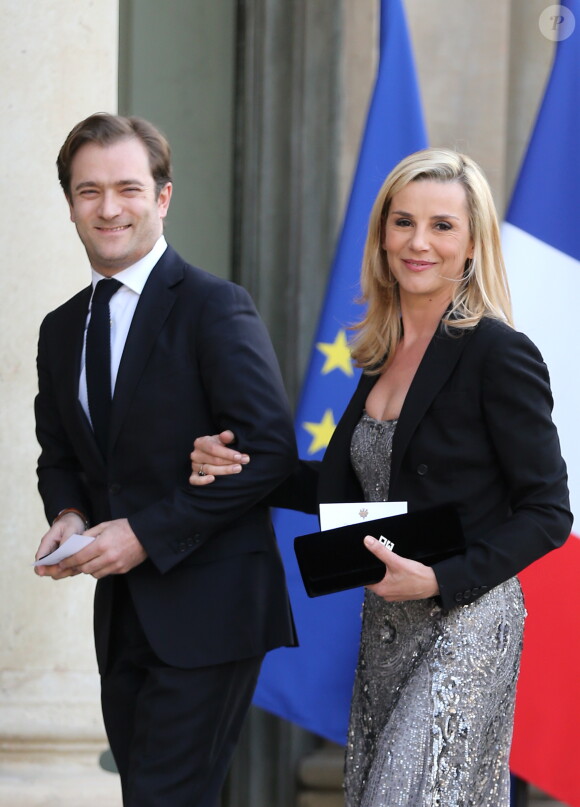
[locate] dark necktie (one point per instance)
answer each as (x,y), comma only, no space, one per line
(98,360)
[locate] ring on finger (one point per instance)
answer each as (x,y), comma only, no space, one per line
(201,472)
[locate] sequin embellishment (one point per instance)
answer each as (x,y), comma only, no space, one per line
(432,710)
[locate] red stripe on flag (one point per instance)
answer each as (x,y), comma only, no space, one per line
(547,724)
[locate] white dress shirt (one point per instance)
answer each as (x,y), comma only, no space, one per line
(122,307)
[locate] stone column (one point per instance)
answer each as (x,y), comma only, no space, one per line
(58,62)
(481,69)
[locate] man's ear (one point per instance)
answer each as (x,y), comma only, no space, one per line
(163,200)
(71,210)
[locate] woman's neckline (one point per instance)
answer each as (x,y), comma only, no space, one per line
(376,420)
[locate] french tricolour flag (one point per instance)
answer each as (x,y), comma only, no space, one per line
(542,248)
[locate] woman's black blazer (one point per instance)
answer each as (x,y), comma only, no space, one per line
(475,430)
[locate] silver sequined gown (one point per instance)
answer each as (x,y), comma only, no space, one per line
(432,710)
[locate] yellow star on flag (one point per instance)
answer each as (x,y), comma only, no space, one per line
(337,355)
(321,432)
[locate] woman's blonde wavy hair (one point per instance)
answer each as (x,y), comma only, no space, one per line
(483,290)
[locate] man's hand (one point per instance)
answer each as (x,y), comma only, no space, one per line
(211,457)
(115,550)
(61,530)
(405,579)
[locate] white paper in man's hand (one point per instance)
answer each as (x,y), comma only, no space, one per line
(70,547)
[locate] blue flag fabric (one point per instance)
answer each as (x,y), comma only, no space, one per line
(312,685)
(544,202)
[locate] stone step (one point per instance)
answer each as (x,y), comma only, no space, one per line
(58,785)
(75,784)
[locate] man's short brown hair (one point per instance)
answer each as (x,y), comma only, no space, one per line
(104,130)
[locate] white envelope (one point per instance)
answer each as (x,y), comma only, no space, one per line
(70,547)
(339,514)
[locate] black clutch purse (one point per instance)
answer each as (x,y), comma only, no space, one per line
(335,560)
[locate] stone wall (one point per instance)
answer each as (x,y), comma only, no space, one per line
(58,62)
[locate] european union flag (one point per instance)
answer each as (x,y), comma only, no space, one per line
(312,685)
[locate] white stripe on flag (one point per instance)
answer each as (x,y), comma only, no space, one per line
(545,288)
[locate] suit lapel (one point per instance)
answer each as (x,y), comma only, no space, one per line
(155,303)
(71,354)
(72,346)
(338,478)
(437,364)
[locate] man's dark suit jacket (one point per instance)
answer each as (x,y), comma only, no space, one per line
(475,430)
(197,360)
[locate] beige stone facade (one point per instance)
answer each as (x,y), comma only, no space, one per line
(58,62)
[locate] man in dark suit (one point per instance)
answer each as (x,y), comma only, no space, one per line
(191,591)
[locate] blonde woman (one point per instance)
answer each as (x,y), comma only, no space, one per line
(453,406)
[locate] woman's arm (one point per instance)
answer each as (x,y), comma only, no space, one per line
(516,405)
(212,457)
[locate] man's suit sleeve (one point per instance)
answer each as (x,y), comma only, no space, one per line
(299,491)
(59,473)
(517,404)
(244,392)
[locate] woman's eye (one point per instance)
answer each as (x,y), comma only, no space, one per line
(403,222)
(443,226)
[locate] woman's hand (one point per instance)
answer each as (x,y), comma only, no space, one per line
(211,457)
(405,579)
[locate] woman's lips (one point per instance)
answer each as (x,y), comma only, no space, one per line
(417,266)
